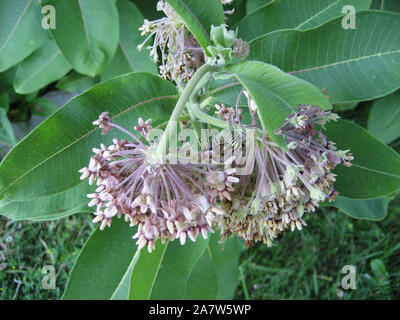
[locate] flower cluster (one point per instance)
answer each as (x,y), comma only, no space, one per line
(166,201)
(285,183)
(179,200)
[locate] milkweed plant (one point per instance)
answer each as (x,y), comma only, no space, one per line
(200,128)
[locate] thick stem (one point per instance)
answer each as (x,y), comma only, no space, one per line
(204,117)
(183,99)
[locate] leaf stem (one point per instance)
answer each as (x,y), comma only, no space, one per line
(189,90)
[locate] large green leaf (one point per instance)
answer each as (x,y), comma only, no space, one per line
(276,93)
(102,264)
(384,118)
(293,14)
(353,65)
(87,33)
(21,31)
(45,65)
(50,156)
(164,273)
(372,209)
(199,16)
(376,167)
(51,207)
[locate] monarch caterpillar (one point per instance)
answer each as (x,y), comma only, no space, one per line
(223,137)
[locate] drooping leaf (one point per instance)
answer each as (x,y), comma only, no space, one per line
(102,263)
(376,167)
(75,82)
(293,14)
(128,58)
(163,274)
(372,209)
(199,16)
(21,31)
(45,65)
(51,155)
(276,93)
(87,33)
(51,207)
(353,65)
(384,118)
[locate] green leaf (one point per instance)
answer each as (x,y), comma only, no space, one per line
(5,102)
(163,274)
(128,58)
(215,275)
(353,65)
(7,135)
(75,82)
(43,107)
(203,282)
(148,9)
(45,65)
(387,5)
(226,264)
(384,118)
(21,31)
(102,263)
(293,14)
(372,209)
(276,93)
(199,16)
(239,12)
(253,5)
(340,107)
(87,33)
(51,207)
(376,167)
(50,156)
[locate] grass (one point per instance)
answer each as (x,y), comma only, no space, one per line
(26,247)
(308,264)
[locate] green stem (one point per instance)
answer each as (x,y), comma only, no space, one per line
(183,99)
(204,117)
